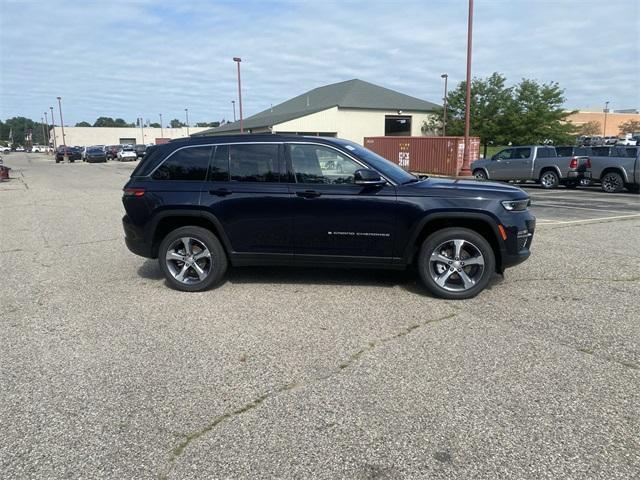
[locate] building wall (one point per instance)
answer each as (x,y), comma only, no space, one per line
(613,120)
(350,124)
(85,136)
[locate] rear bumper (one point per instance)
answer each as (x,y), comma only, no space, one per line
(135,239)
(575,175)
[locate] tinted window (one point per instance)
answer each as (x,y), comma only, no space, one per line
(219,169)
(503,154)
(254,163)
(601,151)
(186,164)
(521,153)
(318,164)
(565,151)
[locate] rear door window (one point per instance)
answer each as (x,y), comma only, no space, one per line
(521,153)
(504,154)
(219,168)
(254,162)
(188,164)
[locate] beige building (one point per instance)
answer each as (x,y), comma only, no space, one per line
(351,110)
(609,122)
(85,136)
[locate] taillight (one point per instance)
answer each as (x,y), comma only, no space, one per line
(573,163)
(133,192)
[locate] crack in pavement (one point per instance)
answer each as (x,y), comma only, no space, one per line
(351,359)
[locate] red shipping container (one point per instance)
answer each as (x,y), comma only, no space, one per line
(430,155)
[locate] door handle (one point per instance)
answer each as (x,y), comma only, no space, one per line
(308,194)
(221,192)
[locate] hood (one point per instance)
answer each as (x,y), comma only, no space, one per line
(464,188)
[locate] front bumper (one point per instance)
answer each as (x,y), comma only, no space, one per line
(517,247)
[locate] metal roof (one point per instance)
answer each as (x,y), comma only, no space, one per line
(349,94)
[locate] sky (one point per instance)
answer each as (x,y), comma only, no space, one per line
(139,58)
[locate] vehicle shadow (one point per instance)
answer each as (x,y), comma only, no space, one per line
(407,280)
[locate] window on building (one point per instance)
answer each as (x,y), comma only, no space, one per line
(186,164)
(397,126)
(254,163)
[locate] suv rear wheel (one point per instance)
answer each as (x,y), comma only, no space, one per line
(192,259)
(456,263)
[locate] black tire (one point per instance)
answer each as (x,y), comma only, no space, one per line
(612,182)
(217,262)
(480,174)
(549,179)
(480,276)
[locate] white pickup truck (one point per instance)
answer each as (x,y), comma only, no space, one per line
(538,163)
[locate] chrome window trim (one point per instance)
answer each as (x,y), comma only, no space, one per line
(358,161)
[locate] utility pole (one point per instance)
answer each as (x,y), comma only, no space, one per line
(142,130)
(64,139)
(186,111)
(53,124)
(161,131)
(606,110)
(46,137)
(233,102)
(467,116)
(444,115)
(44,132)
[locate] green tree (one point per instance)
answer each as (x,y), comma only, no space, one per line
(104,122)
(154,125)
(590,128)
(175,123)
(83,124)
(528,112)
(631,126)
(19,127)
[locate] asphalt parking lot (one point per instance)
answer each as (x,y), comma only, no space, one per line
(289,373)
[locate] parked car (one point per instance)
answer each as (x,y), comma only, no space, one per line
(5,150)
(112,151)
(72,153)
(628,140)
(38,149)
(200,204)
(140,149)
(610,140)
(539,163)
(20,149)
(95,154)
(127,153)
(618,170)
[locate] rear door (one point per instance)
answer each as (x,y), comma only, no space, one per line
(519,166)
(245,193)
(334,219)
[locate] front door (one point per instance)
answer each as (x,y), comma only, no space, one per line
(334,218)
(244,192)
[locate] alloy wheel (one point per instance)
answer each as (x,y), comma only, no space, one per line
(189,260)
(456,265)
(548,180)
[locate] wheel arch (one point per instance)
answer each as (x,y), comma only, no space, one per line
(168,220)
(481,223)
(614,169)
(553,168)
(484,169)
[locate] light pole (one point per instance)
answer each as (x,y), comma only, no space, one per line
(606,110)
(161,131)
(233,102)
(467,108)
(186,111)
(46,120)
(444,115)
(44,132)
(64,140)
(142,130)
(238,60)
(53,125)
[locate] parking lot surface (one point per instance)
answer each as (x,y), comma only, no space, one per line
(291,373)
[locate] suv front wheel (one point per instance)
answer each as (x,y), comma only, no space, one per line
(192,259)
(456,263)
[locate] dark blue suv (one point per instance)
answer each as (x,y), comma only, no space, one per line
(199,204)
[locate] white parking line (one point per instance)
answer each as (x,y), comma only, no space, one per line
(557,205)
(542,221)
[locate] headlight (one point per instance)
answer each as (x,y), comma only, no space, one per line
(516,205)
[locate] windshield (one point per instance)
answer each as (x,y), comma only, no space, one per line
(381,164)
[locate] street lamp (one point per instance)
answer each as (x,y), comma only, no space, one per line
(46,120)
(467,108)
(44,132)
(233,102)
(606,110)
(161,131)
(142,129)
(64,139)
(186,111)
(238,60)
(444,115)
(53,124)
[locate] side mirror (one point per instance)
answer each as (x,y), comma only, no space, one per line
(368,178)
